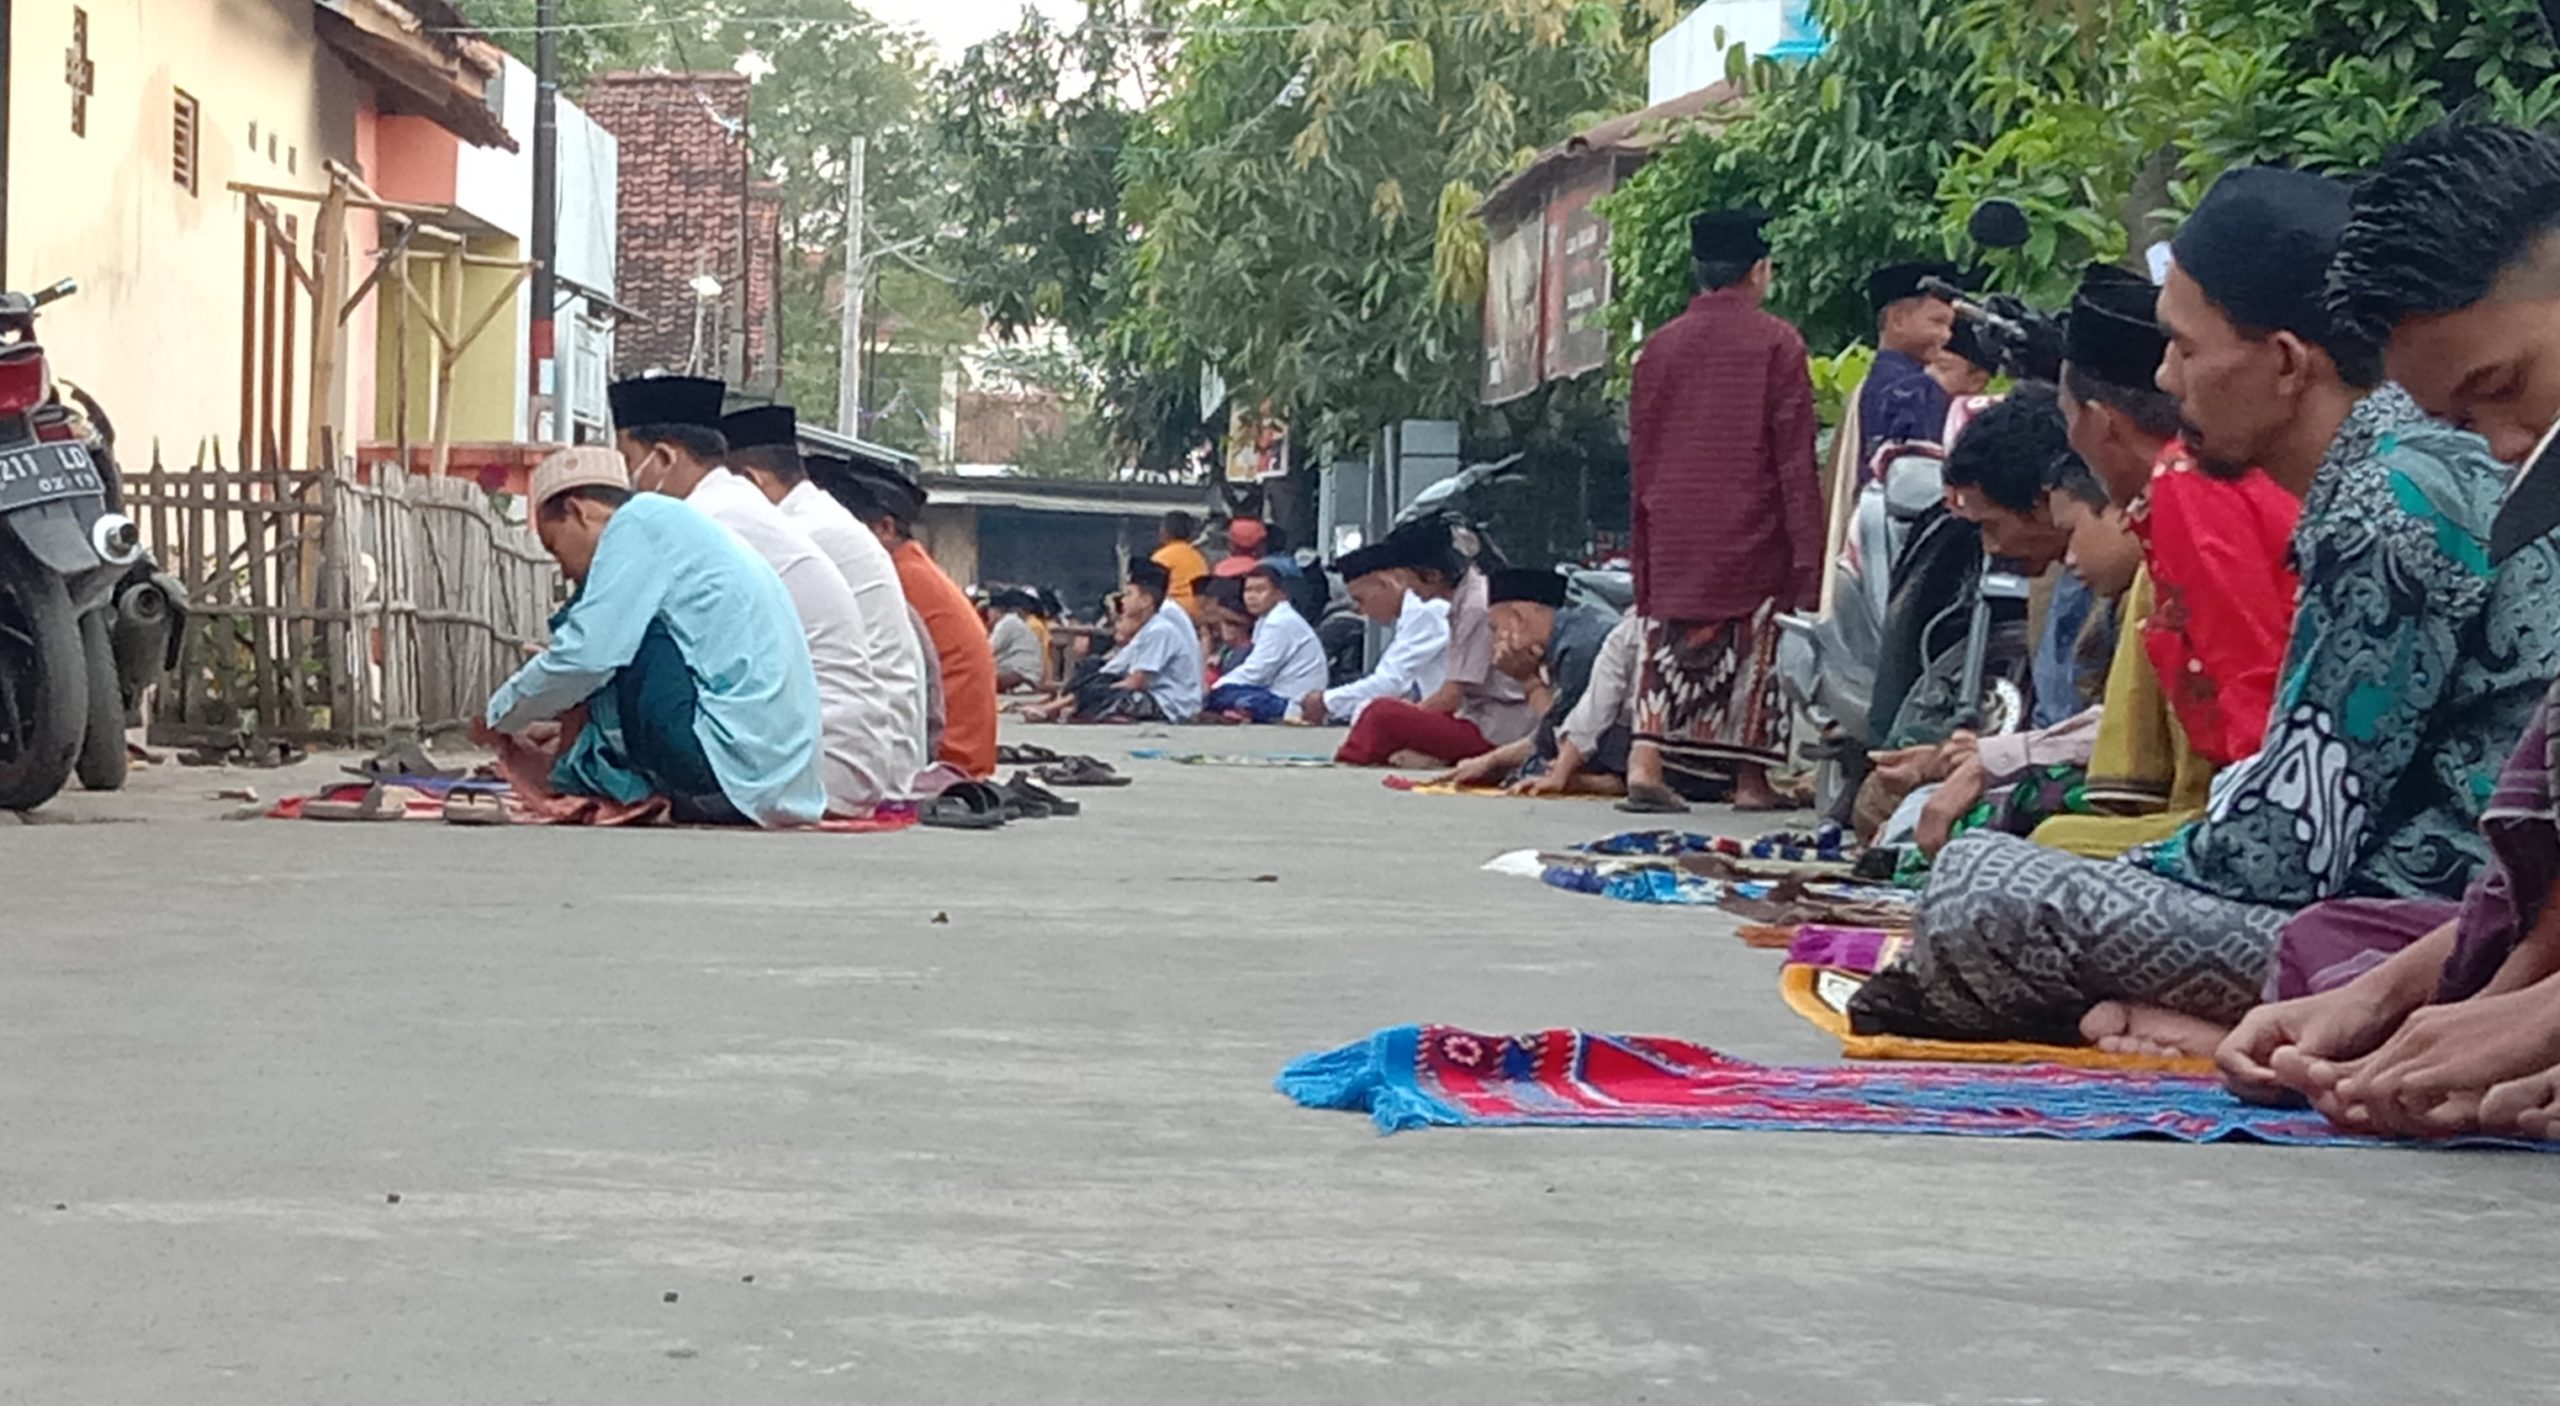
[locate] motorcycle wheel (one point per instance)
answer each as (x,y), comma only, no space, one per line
(43,682)
(102,756)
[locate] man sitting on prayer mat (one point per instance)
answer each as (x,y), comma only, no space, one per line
(764,445)
(1726,510)
(668,428)
(679,668)
(1551,645)
(2414,663)
(1477,707)
(890,504)
(1021,662)
(1417,655)
(1286,661)
(2444,1018)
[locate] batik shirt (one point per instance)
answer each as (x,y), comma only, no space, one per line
(2411,669)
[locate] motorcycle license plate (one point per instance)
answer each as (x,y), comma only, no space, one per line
(41,473)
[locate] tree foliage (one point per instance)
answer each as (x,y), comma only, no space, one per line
(1303,192)
(2102,118)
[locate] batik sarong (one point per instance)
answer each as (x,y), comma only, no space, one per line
(1709,692)
(2014,941)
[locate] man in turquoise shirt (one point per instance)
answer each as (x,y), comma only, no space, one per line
(684,650)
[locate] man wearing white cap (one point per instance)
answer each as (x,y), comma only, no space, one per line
(682,651)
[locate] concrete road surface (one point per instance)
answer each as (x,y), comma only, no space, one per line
(401,1114)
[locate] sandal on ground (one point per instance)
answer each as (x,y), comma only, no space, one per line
(379,802)
(476,805)
(970,805)
(1024,754)
(1081,771)
(1038,801)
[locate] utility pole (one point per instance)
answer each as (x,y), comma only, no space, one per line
(546,214)
(849,357)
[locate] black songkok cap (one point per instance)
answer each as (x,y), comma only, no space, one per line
(667,400)
(2260,244)
(1362,561)
(2115,331)
(762,426)
(1895,282)
(1522,584)
(1150,574)
(1729,236)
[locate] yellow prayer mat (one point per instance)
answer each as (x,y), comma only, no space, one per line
(1821,995)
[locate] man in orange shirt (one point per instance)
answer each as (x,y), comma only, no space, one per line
(889,505)
(1182,561)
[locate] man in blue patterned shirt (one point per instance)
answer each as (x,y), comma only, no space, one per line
(2412,667)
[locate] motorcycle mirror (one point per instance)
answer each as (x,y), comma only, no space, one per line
(1999,224)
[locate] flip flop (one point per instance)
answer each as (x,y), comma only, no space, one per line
(1024,754)
(1081,771)
(971,805)
(476,805)
(1039,801)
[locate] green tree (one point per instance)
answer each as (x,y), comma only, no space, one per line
(1304,192)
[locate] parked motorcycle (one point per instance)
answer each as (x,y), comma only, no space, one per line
(86,619)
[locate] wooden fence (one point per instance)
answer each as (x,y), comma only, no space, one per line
(328,607)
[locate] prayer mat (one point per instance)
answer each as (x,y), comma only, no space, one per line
(562,810)
(1861,950)
(1252,759)
(1420,1076)
(1416,786)
(1821,995)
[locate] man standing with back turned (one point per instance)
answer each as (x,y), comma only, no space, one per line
(1728,521)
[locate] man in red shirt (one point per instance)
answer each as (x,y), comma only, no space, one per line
(1728,522)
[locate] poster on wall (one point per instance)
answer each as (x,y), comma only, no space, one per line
(1257,444)
(1511,311)
(1574,288)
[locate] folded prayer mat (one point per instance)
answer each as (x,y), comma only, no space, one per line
(1821,995)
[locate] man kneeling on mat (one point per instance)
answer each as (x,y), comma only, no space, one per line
(679,668)
(1553,648)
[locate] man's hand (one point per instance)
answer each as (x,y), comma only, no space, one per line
(1550,782)
(1313,709)
(1474,771)
(1954,798)
(483,735)
(1906,768)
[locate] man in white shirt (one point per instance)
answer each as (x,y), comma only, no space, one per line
(1477,707)
(1417,657)
(1286,661)
(1020,659)
(764,447)
(667,428)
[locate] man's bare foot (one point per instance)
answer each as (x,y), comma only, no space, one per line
(1653,799)
(2121,1028)
(2527,1107)
(1752,791)
(2431,1077)
(1410,760)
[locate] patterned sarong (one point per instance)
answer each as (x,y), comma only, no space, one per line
(1709,691)
(2014,941)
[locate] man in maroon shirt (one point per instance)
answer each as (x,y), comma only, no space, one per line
(1728,522)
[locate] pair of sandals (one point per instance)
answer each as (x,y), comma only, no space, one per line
(983,805)
(468,803)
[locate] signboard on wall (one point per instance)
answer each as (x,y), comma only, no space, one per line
(1257,444)
(1574,286)
(1512,340)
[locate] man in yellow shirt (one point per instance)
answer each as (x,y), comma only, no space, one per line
(1181,560)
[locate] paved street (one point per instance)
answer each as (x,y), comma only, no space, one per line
(688,1118)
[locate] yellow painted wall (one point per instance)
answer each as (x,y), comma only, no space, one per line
(156,330)
(485,398)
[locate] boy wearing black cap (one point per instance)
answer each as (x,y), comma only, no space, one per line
(1900,400)
(1477,707)
(2413,665)
(1156,676)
